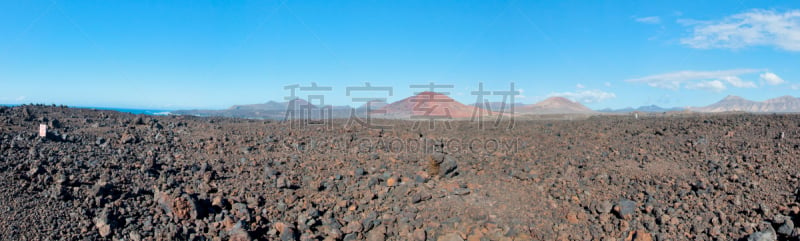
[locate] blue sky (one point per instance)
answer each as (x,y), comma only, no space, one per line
(213,54)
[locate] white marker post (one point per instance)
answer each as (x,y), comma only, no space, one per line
(42,130)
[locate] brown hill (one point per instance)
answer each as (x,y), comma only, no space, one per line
(429,104)
(735,103)
(554,105)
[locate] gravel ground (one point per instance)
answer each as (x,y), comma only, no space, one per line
(111,175)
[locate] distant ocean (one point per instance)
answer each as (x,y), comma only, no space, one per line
(126,110)
(132,111)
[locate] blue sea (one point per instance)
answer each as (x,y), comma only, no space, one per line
(126,110)
(133,111)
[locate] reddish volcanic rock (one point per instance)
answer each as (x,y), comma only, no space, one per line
(611,177)
(429,104)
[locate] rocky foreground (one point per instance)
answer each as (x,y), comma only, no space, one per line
(110,175)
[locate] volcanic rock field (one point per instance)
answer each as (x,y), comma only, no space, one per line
(105,175)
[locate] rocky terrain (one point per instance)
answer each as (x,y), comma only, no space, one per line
(110,175)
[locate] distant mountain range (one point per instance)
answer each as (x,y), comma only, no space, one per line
(555,105)
(498,106)
(296,108)
(783,104)
(270,106)
(731,103)
(440,105)
(646,108)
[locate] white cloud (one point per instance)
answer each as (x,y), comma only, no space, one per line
(795,86)
(607,84)
(586,96)
(738,82)
(771,78)
(756,27)
(580,86)
(21,98)
(521,94)
(649,20)
(713,85)
(704,80)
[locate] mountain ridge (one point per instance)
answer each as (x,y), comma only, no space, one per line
(439,105)
(555,105)
(782,104)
